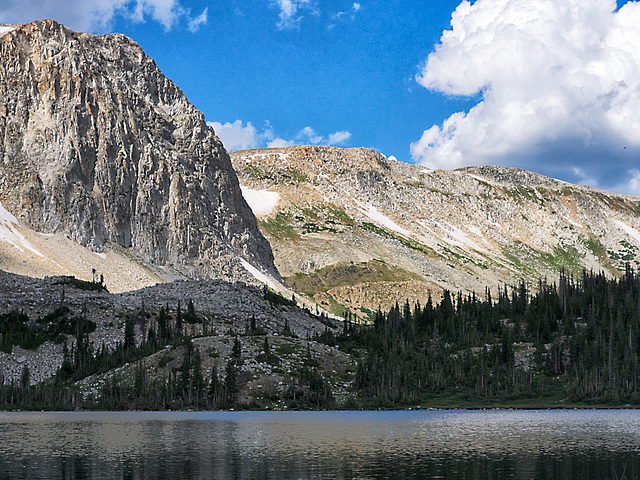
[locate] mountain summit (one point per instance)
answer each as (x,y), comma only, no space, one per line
(98,145)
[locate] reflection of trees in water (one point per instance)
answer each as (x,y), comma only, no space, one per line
(183,465)
(279,445)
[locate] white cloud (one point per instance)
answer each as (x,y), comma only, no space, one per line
(280,143)
(553,77)
(632,187)
(583,178)
(195,23)
(310,135)
(240,136)
(351,13)
(289,16)
(96,15)
(338,138)
(236,135)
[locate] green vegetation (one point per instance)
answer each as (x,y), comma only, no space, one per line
(96,285)
(286,225)
(344,274)
(530,261)
(295,175)
(279,226)
(258,173)
(522,192)
(598,250)
(17,330)
(574,343)
(409,243)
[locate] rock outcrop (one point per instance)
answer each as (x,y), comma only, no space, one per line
(96,143)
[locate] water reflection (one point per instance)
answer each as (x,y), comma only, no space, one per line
(280,445)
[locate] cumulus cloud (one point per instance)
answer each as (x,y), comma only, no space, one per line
(290,16)
(559,82)
(236,135)
(97,15)
(239,136)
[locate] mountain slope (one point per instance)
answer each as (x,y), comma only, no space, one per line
(98,146)
(333,209)
(226,313)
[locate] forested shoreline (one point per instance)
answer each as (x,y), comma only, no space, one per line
(576,340)
(571,342)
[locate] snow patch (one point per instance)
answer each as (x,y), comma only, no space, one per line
(7,28)
(630,230)
(476,177)
(454,236)
(101,255)
(262,202)
(373,213)
(258,275)
(475,230)
(9,233)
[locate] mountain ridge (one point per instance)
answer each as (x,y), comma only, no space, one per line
(466,229)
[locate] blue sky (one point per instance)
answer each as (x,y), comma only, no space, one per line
(552,86)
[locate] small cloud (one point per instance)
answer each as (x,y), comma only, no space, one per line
(280,143)
(351,13)
(236,135)
(310,135)
(339,138)
(582,178)
(289,16)
(166,12)
(632,186)
(240,136)
(195,23)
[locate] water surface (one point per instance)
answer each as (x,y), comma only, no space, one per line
(597,444)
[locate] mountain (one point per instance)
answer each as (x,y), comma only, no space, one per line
(354,229)
(99,149)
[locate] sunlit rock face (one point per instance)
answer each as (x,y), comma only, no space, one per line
(96,143)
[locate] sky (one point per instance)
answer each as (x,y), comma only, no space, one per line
(551,86)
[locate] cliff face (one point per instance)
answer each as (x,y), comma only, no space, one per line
(97,144)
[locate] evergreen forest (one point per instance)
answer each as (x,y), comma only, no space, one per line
(574,342)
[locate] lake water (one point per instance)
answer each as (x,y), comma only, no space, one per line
(603,444)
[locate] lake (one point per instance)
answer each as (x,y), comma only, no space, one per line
(591,444)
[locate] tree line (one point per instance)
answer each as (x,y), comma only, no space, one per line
(577,339)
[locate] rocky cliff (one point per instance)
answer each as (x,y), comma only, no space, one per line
(97,144)
(356,229)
